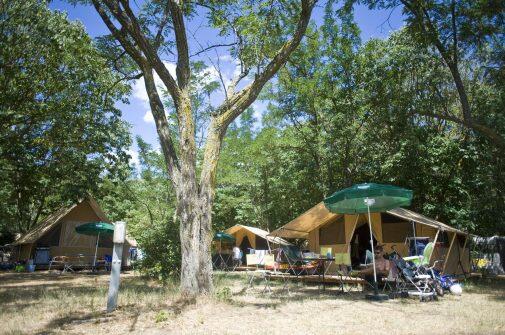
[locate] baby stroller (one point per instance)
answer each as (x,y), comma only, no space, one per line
(410,281)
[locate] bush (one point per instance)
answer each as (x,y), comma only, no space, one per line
(161,250)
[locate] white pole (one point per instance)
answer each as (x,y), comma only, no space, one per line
(96,250)
(367,201)
(118,239)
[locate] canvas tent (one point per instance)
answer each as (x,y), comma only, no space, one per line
(56,235)
(254,238)
(342,233)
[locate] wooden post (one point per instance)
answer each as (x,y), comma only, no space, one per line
(449,252)
(434,247)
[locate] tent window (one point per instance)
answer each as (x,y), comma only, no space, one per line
(461,240)
(396,232)
(261,243)
(388,218)
(443,238)
(51,238)
(333,233)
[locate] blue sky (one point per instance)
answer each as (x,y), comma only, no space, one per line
(373,24)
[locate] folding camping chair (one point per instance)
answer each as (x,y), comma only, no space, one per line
(272,269)
(251,262)
(424,259)
(265,274)
(343,270)
(63,261)
(294,259)
(393,283)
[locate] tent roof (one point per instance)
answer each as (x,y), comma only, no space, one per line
(257,231)
(320,215)
(419,218)
(305,223)
(54,218)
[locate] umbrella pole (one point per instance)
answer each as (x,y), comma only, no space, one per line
(96,250)
(376,290)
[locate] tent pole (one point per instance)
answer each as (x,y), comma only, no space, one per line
(448,252)
(96,250)
(460,263)
(414,230)
(434,247)
(268,243)
(376,290)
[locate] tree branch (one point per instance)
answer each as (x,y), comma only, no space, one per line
(243,99)
(182,70)
(239,101)
(130,24)
(162,126)
(480,128)
(211,47)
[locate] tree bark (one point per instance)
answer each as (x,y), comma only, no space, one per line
(194,197)
(429,29)
(196,236)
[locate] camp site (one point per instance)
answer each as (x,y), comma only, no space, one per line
(252,167)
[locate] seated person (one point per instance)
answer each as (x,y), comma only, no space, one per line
(382,265)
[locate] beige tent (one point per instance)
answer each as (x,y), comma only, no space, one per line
(323,229)
(257,238)
(56,235)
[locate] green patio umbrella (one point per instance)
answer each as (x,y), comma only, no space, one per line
(352,200)
(366,198)
(221,236)
(95,229)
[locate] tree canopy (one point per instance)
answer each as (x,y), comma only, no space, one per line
(422,109)
(60,131)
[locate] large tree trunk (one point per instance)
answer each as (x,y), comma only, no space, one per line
(194,198)
(196,235)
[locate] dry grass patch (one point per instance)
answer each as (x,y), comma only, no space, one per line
(43,303)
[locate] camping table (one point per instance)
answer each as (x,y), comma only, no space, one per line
(221,263)
(321,261)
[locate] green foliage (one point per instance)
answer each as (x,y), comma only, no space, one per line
(60,132)
(343,112)
(224,294)
(146,201)
(161,316)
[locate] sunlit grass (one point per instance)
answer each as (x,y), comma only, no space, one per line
(75,304)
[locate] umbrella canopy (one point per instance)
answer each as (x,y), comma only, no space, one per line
(352,200)
(221,236)
(95,228)
(366,198)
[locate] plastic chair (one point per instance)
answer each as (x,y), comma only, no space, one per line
(423,259)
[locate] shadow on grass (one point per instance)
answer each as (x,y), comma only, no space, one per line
(19,297)
(16,298)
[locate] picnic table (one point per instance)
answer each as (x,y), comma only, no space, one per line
(82,261)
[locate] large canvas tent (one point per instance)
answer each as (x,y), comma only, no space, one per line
(254,238)
(325,230)
(56,235)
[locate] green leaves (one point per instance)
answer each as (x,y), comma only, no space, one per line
(343,112)
(59,127)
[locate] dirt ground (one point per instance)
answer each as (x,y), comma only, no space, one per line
(49,303)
